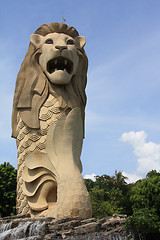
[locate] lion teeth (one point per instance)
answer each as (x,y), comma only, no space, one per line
(65,62)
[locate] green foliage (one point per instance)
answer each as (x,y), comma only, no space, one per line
(153,173)
(100,205)
(109,195)
(146,194)
(119,180)
(145,224)
(104,182)
(89,184)
(8,182)
(145,201)
(140,201)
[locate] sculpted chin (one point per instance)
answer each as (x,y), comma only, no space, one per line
(48,124)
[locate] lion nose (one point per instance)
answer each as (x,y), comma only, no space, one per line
(60,47)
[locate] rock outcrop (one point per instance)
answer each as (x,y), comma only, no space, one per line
(42,228)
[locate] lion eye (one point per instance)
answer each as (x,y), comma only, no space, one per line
(70,42)
(49,41)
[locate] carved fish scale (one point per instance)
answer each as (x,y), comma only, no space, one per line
(48,124)
(29,140)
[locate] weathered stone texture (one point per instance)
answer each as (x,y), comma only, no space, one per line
(48,124)
(109,228)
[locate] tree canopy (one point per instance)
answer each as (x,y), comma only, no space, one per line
(145,202)
(140,201)
(110,195)
(8,182)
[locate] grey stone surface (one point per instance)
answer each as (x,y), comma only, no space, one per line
(109,228)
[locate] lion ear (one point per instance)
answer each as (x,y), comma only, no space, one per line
(36,39)
(80,41)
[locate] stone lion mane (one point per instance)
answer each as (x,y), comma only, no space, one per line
(32,85)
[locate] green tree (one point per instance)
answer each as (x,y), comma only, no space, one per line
(101,205)
(152,173)
(145,200)
(146,194)
(104,182)
(89,184)
(8,182)
(145,224)
(109,195)
(119,179)
(140,201)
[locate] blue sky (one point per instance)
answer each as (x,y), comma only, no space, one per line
(123,90)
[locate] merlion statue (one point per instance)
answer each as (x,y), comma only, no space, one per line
(48,124)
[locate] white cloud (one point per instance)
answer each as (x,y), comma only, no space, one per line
(91,176)
(148,153)
(131,178)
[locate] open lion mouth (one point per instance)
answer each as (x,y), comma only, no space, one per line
(59,63)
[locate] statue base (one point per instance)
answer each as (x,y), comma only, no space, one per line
(22,226)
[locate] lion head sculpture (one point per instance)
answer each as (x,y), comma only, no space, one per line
(48,66)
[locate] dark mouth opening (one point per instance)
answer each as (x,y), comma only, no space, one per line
(59,63)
